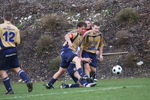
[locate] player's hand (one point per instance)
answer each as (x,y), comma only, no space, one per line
(89,60)
(70,43)
(101,58)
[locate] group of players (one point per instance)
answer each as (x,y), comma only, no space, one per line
(81,47)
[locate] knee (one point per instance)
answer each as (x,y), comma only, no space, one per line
(17,69)
(3,74)
(61,71)
(77,59)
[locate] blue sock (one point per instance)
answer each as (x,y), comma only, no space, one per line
(81,72)
(71,85)
(24,76)
(83,82)
(7,85)
(52,81)
(74,85)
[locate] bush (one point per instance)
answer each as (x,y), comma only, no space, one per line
(52,22)
(130,60)
(44,43)
(122,37)
(127,15)
(54,63)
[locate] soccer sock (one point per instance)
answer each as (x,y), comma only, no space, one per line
(74,85)
(24,76)
(83,82)
(81,72)
(51,82)
(7,85)
(93,75)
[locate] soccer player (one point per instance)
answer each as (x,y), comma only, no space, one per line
(92,42)
(72,71)
(9,39)
(69,54)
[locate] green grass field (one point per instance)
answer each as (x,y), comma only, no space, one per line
(115,89)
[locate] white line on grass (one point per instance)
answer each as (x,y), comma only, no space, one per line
(79,91)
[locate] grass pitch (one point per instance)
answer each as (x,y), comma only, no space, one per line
(115,89)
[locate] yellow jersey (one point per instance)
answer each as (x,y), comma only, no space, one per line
(9,35)
(92,42)
(75,38)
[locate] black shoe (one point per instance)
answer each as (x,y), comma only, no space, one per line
(48,87)
(30,86)
(9,92)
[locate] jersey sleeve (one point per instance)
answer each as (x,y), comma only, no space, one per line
(102,42)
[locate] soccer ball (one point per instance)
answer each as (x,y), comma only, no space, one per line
(117,69)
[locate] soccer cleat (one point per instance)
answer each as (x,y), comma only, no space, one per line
(30,86)
(95,80)
(9,92)
(90,85)
(48,87)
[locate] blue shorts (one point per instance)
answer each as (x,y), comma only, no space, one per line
(71,70)
(92,56)
(67,56)
(8,59)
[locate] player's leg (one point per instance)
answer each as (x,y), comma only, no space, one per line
(6,81)
(4,66)
(63,85)
(23,75)
(55,77)
(64,65)
(87,69)
(93,74)
(93,67)
(77,61)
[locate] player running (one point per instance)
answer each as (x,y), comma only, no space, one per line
(9,39)
(69,54)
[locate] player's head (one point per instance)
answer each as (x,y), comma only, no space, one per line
(96,27)
(81,26)
(8,16)
(89,24)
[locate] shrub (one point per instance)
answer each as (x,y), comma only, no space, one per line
(54,63)
(122,37)
(127,15)
(52,22)
(44,43)
(130,60)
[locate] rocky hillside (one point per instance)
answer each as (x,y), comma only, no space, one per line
(125,25)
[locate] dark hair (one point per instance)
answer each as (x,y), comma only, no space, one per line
(81,24)
(96,23)
(8,16)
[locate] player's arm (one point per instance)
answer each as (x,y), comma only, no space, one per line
(101,46)
(101,53)
(68,37)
